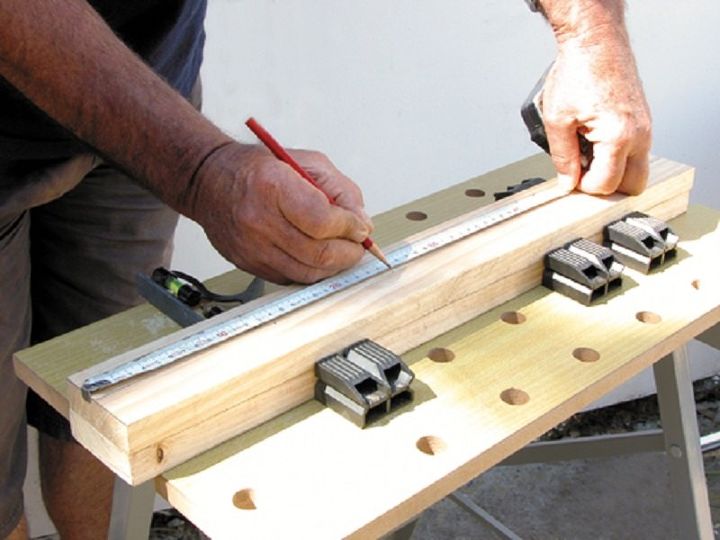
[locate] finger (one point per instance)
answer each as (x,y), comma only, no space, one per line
(305,207)
(330,255)
(350,197)
(282,268)
(606,170)
(565,152)
(327,254)
(341,189)
(266,273)
(262,269)
(637,170)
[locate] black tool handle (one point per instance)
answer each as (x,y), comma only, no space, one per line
(531,113)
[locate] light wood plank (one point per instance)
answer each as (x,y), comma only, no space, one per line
(312,474)
(145,426)
(45,367)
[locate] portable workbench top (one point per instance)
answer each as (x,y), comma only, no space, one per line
(482,391)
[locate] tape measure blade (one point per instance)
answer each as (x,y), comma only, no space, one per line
(458,229)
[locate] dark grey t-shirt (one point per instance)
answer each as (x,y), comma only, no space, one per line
(167,34)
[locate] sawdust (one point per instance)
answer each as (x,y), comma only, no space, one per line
(157,324)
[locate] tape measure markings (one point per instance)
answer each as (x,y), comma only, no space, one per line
(225,330)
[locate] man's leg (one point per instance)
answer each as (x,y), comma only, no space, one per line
(14,335)
(20,532)
(86,250)
(79,504)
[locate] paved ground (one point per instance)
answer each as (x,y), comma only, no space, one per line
(618,498)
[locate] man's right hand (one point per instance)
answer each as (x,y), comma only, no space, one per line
(264,218)
(257,212)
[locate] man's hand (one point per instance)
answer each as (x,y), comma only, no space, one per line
(594,89)
(266,219)
(256,211)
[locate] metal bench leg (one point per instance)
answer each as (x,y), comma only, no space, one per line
(682,445)
(132,510)
(487,520)
(403,533)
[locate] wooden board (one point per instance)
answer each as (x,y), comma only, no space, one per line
(311,474)
(141,428)
(45,367)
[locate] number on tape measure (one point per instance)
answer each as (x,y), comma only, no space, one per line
(222,331)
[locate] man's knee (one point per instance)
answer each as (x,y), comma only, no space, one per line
(77,488)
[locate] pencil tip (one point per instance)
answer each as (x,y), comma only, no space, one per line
(379,255)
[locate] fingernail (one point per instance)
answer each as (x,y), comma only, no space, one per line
(566,182)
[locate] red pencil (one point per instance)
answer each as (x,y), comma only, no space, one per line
(280,153)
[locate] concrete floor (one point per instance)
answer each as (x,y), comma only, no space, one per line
(625,497)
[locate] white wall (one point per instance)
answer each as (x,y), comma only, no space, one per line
(410,96)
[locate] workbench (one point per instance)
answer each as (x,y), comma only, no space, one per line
(483,391)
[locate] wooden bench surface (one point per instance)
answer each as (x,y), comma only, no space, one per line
(483,391)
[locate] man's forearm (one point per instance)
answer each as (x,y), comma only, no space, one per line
(586,22)
(66,60)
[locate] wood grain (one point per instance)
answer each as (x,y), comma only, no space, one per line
(45,367)
(142,428)
(309,473)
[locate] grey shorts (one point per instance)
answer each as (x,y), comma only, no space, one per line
(74,234)
(78,255)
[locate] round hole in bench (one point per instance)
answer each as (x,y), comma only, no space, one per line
(586,354)
(513,317)
(245,499)
(416,215)
(474,192)
(441,355)
(648,317)
(430,445)
(514,396)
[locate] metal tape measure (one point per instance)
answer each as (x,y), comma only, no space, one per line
(194,343)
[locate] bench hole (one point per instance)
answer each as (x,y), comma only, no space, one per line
(514,396)
(586,354)
(245,499)
(648,317)
(416,215)
(513,317)
(474,192)
(430,445)
(696,284)
(441,355)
